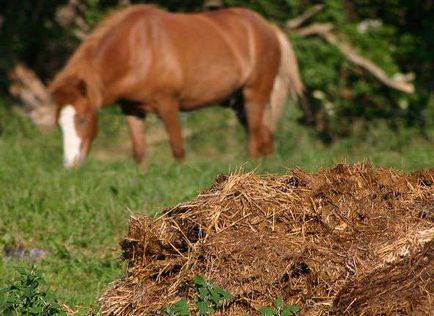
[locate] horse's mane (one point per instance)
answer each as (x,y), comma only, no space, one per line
(113,18)
(80,63)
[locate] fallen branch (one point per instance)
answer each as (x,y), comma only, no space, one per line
(33,94)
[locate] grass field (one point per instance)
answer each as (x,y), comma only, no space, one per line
(79,216)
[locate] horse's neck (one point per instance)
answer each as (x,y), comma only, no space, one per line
(93,80)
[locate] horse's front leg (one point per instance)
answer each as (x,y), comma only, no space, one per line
(136,126)
(168,110)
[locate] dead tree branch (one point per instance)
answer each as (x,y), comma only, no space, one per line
(314,114)
(324,30)
(296,22)
(33,94)
(315,29)
(69,16)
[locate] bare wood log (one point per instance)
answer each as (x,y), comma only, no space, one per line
(324,30)
(296,22)
(33,95)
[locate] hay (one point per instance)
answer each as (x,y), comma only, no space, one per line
(354,240)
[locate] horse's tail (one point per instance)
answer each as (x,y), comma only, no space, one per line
(287,82)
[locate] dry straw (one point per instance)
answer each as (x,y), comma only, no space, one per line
(354,240)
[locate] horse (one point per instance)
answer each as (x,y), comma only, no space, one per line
(150,60)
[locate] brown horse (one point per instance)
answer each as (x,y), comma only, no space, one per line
(147,59)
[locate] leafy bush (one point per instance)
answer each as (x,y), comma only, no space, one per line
(25,297)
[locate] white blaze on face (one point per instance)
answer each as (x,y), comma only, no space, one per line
(71,140)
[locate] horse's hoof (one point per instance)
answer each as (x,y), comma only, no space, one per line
(180,155)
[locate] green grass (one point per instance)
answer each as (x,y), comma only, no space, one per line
(81,215)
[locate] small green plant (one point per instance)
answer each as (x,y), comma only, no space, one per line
(180,308)
(24,297)
(280,309)
(210,298)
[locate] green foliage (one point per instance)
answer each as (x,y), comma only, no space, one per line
(25,297)
(344,92)
(280,309)
(30,34)
(93,13)
(180,308)
(210,298)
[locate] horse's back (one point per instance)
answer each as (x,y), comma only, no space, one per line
(266,51)
(216,52)
(201,58)
(212,52)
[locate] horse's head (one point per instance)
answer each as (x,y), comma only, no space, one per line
(77,118)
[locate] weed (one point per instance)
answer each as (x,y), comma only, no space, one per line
(209,299)
(180,308)
(25,297)
(280,309)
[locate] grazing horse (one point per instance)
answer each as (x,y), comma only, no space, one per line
(147,59)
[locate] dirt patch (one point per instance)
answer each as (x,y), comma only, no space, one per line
(353,240)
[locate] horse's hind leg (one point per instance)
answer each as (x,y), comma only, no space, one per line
(267,141)
(260,137)
(236,103)
(168,110)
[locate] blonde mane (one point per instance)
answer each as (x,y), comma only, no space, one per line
(80,63)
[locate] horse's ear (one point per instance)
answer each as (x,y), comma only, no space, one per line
(82,87)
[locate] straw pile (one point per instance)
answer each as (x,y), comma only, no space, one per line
(354,240)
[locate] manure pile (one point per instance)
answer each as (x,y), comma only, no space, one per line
(353,240)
